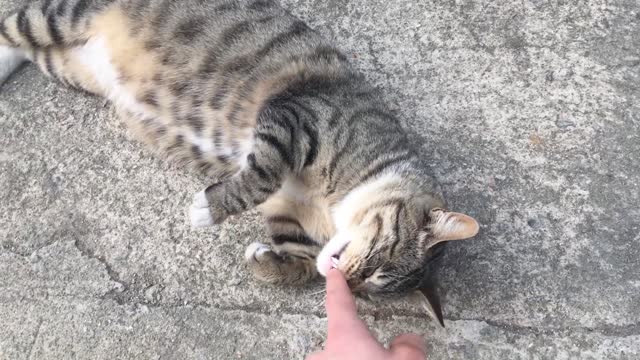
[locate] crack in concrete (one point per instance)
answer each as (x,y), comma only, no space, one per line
(114,276)
(620,331)
(606,329)
(125,296)
(35,338)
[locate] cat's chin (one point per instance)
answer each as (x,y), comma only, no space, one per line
(329,257)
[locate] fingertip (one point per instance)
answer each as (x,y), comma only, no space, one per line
(333,272)
(340,305)
(336,282)
(409,346)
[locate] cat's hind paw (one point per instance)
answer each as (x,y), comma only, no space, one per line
(255,250)
(10,59)
(200,212)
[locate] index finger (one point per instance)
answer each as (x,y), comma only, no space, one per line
(341,306)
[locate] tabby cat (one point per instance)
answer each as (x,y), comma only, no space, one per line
(272,112)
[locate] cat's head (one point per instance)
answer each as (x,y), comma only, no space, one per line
(388,235)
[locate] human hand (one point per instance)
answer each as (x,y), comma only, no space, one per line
(349,338)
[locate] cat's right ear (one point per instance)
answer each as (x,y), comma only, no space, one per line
(446,225)
(427,296)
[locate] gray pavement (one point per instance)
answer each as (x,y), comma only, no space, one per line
(529,111)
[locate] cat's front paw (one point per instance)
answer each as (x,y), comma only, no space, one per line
(205,212)
(207,208)
(200,212)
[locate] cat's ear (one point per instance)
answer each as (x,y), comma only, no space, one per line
(446,226)
(428,297)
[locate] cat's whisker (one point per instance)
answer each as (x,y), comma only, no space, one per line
(318,292)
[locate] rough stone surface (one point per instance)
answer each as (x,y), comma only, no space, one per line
(528,109)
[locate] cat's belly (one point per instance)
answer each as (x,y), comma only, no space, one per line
(96,57)
(195,136)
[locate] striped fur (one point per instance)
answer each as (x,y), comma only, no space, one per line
(270,110)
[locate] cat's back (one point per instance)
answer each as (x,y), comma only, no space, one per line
(193,75)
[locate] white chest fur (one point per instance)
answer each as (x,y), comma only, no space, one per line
(96,58)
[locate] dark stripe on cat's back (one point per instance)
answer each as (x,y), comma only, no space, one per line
(48,64)
(337,157)
(54,31)
(5,34)
(284,120)
(78,10)
(327,53)
(251,60)
(62,8)
(296,29)
(396,229)
(296,239)
(240,201)
(272,141)
(260,5)
(374,241)
(262,173)
(378,168)
(394,201)
(226,7)
(162,13)
(230,35)
(24,27)
(371,113)
(189,29)
(284,220)
(45,6)
(314,144)
(308,127)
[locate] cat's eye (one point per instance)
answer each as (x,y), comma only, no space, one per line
(368,272)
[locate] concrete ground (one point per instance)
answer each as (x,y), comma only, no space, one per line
(529,111)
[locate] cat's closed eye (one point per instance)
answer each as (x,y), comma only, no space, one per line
(368,273)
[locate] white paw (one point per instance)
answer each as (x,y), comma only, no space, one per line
(200,200)
(10,59)
(255,249)
(199,212)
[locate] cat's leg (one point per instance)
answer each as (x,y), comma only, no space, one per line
(289,258)
(30,31)
(45,23)
(283,146)
(279,265)
(58,63)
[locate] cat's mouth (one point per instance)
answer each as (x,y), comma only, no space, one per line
(335,258)
(332,254)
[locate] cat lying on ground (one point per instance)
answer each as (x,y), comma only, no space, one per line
(273,113)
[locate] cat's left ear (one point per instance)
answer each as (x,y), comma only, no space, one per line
(445,225)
